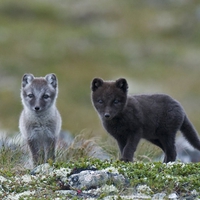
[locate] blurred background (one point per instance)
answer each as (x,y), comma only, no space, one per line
(154,44)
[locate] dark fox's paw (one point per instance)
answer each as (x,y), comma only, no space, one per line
(126,160)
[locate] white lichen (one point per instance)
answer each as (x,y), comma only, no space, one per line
(144,189)
(62,172)
(26,178)
(111,170)
(14,196)
(2,179)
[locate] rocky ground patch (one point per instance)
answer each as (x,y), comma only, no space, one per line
(95,179)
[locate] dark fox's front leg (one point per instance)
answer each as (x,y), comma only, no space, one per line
(128,146)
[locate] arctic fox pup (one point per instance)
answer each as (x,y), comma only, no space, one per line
(40,121)
(128,118)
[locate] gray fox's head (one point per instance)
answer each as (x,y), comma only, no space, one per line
(39,93)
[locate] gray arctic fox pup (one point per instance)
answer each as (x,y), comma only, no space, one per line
(155,117)
(40,121)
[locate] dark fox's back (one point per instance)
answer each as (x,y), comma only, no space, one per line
(158,112)
(156,103)
(155,98)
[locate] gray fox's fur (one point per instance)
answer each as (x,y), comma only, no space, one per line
(40,121)
(156,118)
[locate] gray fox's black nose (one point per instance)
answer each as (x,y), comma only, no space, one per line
(106,115)
(37,108)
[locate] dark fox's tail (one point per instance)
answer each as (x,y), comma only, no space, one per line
(190,133)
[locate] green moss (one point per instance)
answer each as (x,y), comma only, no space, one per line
(158,177)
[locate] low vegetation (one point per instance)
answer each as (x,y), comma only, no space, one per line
(144,178)
(151,43)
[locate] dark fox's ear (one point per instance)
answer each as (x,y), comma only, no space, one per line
(27,79)
(122,84)
(96,83)
(51,79)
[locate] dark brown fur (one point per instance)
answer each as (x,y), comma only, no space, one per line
(156,118)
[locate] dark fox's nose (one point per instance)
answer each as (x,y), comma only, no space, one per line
(107,115)
(37,108)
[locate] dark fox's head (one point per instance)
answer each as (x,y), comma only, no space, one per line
(39,93)
(109,97)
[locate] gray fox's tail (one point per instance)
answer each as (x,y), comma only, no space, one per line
(190,133)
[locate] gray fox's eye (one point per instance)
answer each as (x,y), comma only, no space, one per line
(30,96)
(46,96)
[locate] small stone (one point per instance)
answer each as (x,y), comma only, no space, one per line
(66,192)
(2,179)
(159,196)
(42,169)
(173,196)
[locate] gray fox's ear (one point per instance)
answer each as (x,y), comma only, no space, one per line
(51,79)
(96,83)
(27,79)
(122,84)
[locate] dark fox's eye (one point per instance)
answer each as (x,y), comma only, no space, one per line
(100,101)
(46,96)
(116,101)
(30,96)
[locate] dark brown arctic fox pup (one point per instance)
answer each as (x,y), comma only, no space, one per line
(155,118)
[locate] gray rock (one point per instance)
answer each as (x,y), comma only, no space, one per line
(91,179)
(42,169)
(185,151)
(173,196)
(159,196)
